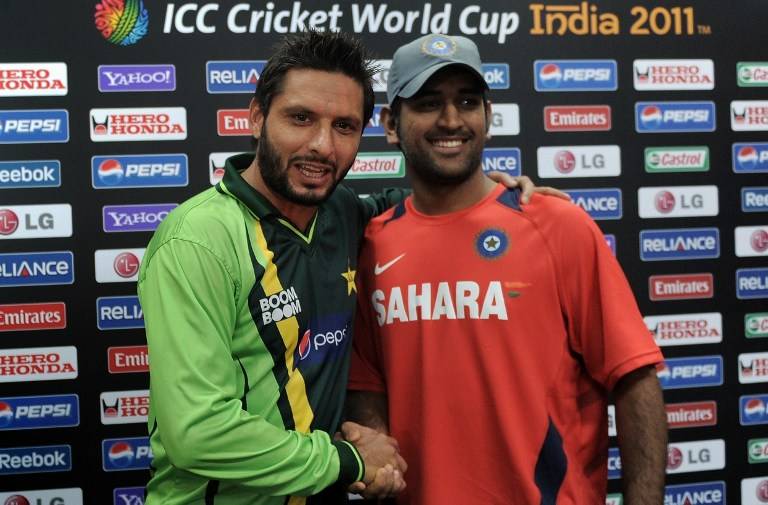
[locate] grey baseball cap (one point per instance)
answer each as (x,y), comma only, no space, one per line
(417,61)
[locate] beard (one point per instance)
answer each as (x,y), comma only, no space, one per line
(275,174)
(426,168)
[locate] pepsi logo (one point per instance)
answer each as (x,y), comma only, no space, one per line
(550,75)
(6,415)
(759,240)
(9,221)
(110,172)
(305,345)
(664,374)
(121,454)
(674,458)
(747,157)
(565,162)
(651,116)
(16,499)
(754,409)
(664,201)
(126,264)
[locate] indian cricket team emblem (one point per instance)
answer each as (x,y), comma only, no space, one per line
(492,243)
(439,46)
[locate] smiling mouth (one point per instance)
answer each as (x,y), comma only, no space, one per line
(311,170)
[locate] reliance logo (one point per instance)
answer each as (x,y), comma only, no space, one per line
(679,244)
(751,283)
(754,199)
(119,313)
(502,159)
(575,75)
(681,287)
(233,76)
(37,268)
(598,203)
(700,493)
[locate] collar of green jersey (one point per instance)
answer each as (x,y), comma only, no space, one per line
(234,184)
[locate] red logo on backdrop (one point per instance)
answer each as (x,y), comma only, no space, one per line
(692,414)
(33,316)
(681,286)
(565,162)
(233,122)
(126,265)
(128,359)
(759,240)
(762,491)
(16,499)
(9,221)
(570,118)
(674,458)
(664,202)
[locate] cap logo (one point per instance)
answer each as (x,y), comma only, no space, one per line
(439,46)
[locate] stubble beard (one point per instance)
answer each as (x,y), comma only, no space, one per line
(427,169)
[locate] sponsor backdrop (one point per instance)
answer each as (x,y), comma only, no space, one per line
(652,114)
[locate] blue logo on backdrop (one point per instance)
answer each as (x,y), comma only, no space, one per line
(31,412)
(374,128)
(575,75)
(753,409)
(661,117)
(611,241)
(699,371)
(139,171)
(751,283)
(699,493)
(38,126)
(118,313)
(126,454)
(496,75)
(125,218)
(30,174)
(682,244)
(614,463)
(128,496)
(49,458)
(503,159)
(598,203)
(754,199)
(233,76)
(750,157)
(36,268)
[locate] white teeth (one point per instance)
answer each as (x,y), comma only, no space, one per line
(447,143)
(310,171)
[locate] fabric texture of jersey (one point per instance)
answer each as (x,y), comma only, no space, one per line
(248,323)
(496,333)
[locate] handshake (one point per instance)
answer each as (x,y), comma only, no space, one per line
(384,467)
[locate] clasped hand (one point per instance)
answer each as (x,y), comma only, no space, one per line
(384,467)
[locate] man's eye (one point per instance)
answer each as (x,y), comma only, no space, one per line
(343,125)
(302,117)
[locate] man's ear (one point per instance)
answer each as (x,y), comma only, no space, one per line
(256,117)
(390,125)
(488,117)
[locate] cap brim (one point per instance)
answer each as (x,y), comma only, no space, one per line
(417,82)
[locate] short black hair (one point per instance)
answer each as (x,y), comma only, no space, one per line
(328,51)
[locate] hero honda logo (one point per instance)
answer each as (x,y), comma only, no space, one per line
(753,409)
(120,454)
(751,241)
(598,203)
(33,79)
(39,459)
(693,372)
(37,268)
(686,329)
(217,164)
(574,118)
(677,201)
(134,124)
(119,313)
(38,364)
(575,75)
(502,159)
(751,283)
(124,407)
(579,161)
(33,316)
(30,174)
(749,115)
(753,367)
(33,412)
(750,157)
(139,171)
(674,74)
(34,126)
(681,286)
(233,76)
(674,117)
(115,78)
(36,221)
(117,265)
(679,244)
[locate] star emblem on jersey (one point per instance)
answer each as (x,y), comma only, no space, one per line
(349,276)
(491,243)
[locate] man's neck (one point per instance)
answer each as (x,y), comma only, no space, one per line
(432,199)
(299,215)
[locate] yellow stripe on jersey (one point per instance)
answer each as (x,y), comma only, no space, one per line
(297,500)
(289,331)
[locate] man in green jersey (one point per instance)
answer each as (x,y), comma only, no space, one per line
(248,292)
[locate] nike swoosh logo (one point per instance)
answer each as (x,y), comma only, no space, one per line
(378,270)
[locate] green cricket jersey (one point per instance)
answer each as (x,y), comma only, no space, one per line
(248,322)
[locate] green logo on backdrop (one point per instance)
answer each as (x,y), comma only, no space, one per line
(757,450)
(377,166)
(614,499)
(752,73)
(756,325)
(677,159)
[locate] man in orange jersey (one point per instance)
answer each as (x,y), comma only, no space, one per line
(489,334)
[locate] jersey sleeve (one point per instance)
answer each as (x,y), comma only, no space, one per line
(604,322)
(189,301)
(376,203)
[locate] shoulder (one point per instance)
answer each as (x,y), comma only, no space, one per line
(558,218)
